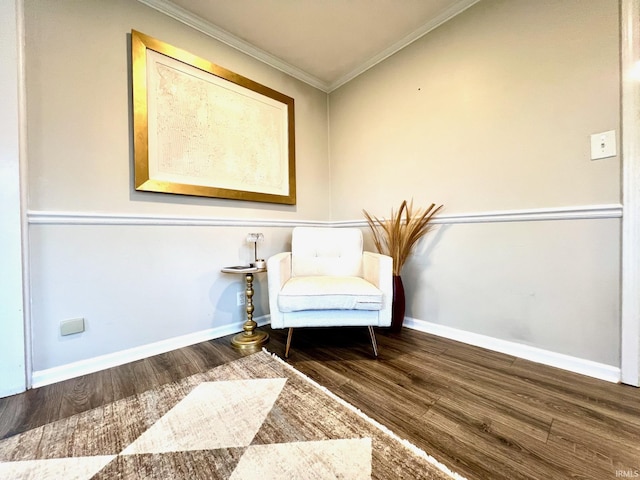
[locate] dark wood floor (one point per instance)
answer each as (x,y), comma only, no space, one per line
(483,414)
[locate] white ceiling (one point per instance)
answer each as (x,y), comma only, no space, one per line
(322,42)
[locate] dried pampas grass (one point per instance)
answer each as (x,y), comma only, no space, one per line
(398,235)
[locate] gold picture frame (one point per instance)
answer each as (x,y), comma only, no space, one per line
(200,129)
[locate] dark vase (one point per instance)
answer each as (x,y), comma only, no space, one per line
(397,307)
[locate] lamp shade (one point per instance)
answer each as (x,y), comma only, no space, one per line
(255,237)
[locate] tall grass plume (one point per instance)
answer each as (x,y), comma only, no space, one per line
(398,235)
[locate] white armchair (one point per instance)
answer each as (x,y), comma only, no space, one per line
(327,280)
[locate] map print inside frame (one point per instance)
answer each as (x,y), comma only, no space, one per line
(200,129)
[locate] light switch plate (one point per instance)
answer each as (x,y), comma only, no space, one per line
(603,145)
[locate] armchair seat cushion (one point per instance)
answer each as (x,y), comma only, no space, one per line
(329,293)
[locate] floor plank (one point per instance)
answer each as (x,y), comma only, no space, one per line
(483,414)
(603,449)
(496,416)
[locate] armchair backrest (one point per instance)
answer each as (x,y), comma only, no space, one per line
(326,251)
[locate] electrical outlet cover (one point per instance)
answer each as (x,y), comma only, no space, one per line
(69,327)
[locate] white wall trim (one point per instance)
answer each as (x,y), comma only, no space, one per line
(24,189)
(102,362)
(197,23)
(178,13)
(630,262)
(585,212)
(444,17)
(566,362)
(13,355)
(39,217)
(81,218)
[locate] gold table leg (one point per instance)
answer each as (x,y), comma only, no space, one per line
(249,339)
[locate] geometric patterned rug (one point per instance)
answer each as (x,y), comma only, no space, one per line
(253,418)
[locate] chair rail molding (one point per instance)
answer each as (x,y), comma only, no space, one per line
(586,212)
(86,218)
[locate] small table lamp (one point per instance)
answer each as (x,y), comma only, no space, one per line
(255,238)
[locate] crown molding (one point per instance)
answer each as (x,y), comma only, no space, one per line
(182,15)
(208,28)
(444,17)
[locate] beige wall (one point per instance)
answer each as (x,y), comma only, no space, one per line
(146,281)
(78,111)
(492,112)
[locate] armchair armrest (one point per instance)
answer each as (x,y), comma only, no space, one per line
(378,269)
(278,272)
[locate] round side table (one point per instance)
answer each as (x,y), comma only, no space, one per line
(249,339)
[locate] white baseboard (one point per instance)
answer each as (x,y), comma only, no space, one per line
(91,365)
(565,362)
(11,390)
(534,354)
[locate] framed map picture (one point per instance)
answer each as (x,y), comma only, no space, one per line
(200,129)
